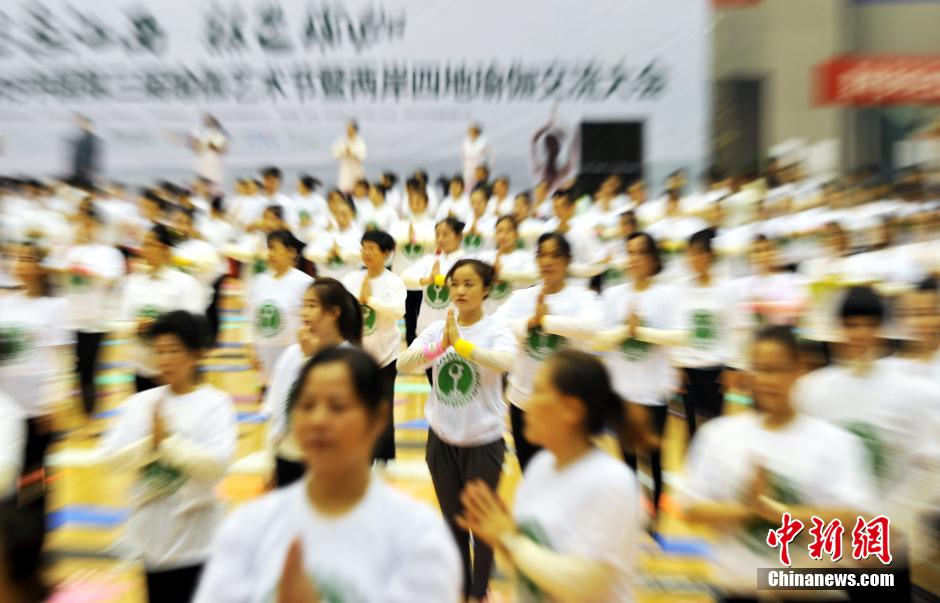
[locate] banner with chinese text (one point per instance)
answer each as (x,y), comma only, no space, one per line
(283,76)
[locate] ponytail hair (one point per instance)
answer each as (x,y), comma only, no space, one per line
(332,294)
(583,376)
(454,224)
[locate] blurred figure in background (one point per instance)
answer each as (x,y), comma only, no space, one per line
(351,152)
(86,152)
(476,151)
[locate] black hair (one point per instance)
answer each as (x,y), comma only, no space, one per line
(454,224)
(703,240)
(162,234)
(152,196)
(526,196)
(413,184)
(630,215)
(652,248)
(91,211)
(191,329)
(277,210)
(391,177)
(481,187)
(510,219)
(41,253)
(566,195)
(363,371)
(332,294)
(583,376)
(486,272)
(379,187)
(862,301)
(421,176)
(309,182)
(560,240)
(363,182)
(782,335)
(761,238)
(457,178)
(929,284)
(272,171)
(502,178)
(21,536)
(288,240)
(218,203)
(381,238)
(354,124)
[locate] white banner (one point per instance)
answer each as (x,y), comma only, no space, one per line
(282,76)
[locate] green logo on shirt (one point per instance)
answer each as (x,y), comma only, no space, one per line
(437,297)
(458,380)
(149,312)
(159,480)
(877,459)
(259,266)
(526,590)
(540,345)
(499,290)
(334,261)
(368,320)
(634,349)
(269,320)
(472,242)
(14,341)
(413,251)
(612,274)
(781,489)
(704,328)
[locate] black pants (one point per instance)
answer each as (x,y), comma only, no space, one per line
(703,397)
(173,586)
(287,472)
(452,467)
(525,449)
(144,383)
(212,311)
(412,307)
(658,423)
(87,346)
(32,494)
(385,447)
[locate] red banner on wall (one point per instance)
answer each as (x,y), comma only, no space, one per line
(878,80)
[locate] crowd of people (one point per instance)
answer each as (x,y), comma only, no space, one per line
(795,323)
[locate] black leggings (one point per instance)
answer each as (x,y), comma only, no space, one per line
(452,467)
(412,307)
(385,447)
(173,586)
(703,398)
(658,416)
(87,346)
(212,311)
(525,449)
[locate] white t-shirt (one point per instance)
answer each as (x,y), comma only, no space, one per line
(380,334)
(201,260)
(434,300)
(33,328)
(149,296)
(475,242)
(808,462)
(89,288)
(176,513)
(642,372)
(517,271)
(465,407)
(208,158)
(387,549)
(407,254)
(349,242)
(12,443)
(283,377)
(588,509)
(274,307)
(378,218)
(893,413)
(707,313)
(219,232)
(459,208)
(574,315)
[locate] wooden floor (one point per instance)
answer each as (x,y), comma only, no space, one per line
(88,504)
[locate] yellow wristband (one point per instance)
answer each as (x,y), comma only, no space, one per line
(464,348)
(440,280)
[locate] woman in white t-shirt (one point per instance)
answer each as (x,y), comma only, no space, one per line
(744,471)
(350,151)
(331,317)
(382,294)
(336,251)
(88,274)
(179,440)
(641,325)
(415,238)
(340,534)
(274,299)
(513,265)
(481,223)
(382,216)
(428,273)
(209,144)
(476,152)
(574,531)
(158,288)
(468,355)
(545,318)
(456,204)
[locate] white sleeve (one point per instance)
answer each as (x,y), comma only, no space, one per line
(128,444)
(847,480)
(275,399)
(582,327)
(563,577)
(413,358)
(194,297)
(413,275)
(392,304)
(12,443)
(430,571)
(208,458)
(227,576)
(511,315)
(695,483)
(358,149)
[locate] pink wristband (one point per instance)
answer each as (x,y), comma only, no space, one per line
(433,351)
